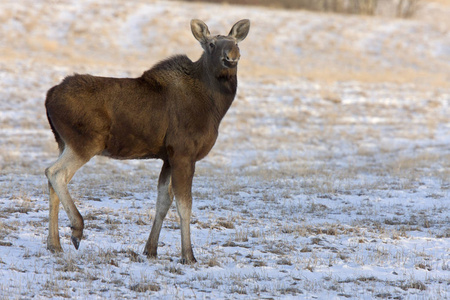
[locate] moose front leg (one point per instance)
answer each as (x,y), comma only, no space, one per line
(182,175)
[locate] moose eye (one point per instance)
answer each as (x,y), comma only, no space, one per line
(211,45)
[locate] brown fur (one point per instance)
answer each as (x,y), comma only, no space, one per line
(172,112)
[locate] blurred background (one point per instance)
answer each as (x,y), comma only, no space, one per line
(366,40)
(309,54)
(306,53)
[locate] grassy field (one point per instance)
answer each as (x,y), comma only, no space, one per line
(330,177)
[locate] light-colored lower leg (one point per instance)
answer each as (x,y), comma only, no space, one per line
(53,243)
(59,175)
(184,207)
(182,176)
(163,203)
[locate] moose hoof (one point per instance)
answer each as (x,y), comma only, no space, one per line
(54,249)
(76,242)
(150,254)
(185,261)
(53,245)
(77,235)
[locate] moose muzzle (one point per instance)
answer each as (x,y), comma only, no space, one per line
(231,57)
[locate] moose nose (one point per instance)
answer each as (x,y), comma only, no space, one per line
(232,59)
(232,56)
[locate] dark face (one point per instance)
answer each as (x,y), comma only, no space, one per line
(222,51)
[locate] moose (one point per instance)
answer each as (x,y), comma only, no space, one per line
(171,112)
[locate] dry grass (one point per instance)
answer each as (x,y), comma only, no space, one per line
(323,164)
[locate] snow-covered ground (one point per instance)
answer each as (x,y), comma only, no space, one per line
(329,180)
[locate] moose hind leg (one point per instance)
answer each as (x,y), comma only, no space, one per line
(163,203)
(59,174)
(53,243)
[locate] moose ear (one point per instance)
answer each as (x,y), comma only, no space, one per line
(200,31)
(240,30)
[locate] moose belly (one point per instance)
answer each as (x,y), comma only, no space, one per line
(132,147)
(205,146)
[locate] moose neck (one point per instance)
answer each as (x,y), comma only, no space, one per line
(221,84)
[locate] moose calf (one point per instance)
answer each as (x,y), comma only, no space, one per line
(172,112)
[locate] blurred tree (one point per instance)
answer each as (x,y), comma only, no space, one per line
(402,8)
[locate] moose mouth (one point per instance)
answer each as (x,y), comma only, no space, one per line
(229,64)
